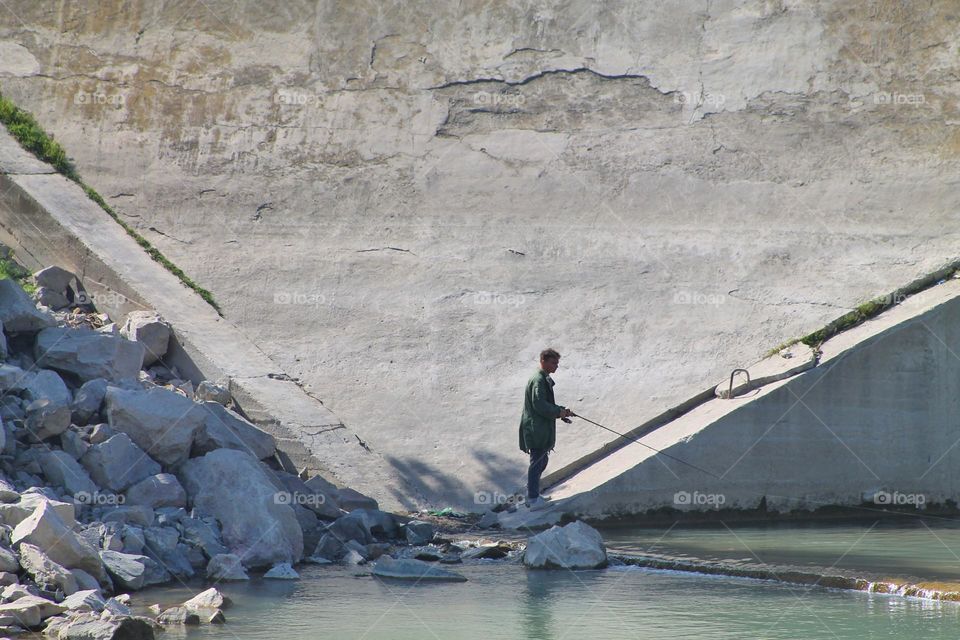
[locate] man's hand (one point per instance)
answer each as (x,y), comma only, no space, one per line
(565,413)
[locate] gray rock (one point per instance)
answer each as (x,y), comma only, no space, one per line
(46,419)
(73,444)
(7,578)
(60,469)
(45,572)
(85,581)
(118,463)
(329,548)
(162,545)
(45,529)
(208,391)
(350,499)
(282,571)
(16,591)
(88,400)
(135,514)
(224,428)
(418,532)
(8,493)
(351,527)
(46,384)
(147,328)
(170,516)
(202,535)
(101,433)
(212,598)
(380,523)
(133,540)
(54,278)
(410,569)
(299,492)
(161,490)
(130,571)
(51,299)
(575,546)
(14,513)
(226,566)
(86,600)
(13,378)
(489,520)
(161,422)
(86,354)
(18,314)
(178,615)
(91,626)
(230,486)
(353,558)
(28,611)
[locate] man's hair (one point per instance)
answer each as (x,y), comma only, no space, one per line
(549,354)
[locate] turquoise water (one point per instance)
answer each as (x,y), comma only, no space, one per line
(506,601)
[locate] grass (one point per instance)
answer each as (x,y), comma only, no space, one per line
(11,270)
(34,139)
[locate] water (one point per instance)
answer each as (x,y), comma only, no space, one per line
(506,601)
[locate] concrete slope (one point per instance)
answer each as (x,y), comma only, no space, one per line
(401,203)
(875,422)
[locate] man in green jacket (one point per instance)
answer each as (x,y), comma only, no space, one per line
(538,424)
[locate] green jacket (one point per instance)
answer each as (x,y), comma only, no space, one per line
(538,424)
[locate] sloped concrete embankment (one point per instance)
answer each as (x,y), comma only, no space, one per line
(49,220)
(873,426)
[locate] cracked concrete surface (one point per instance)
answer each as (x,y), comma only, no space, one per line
(661,190)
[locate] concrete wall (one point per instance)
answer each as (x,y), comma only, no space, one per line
(880,413)
(401,203)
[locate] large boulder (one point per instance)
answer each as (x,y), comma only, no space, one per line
(17,311)
(93,626)
(224,428)
(225,567)
(232,487)
(13,513)
(87,401)
(117,463)
(575,546)
(54,278)
(161,490)
(45,572)
(88,354)
(150,330)
(161,422)
(46,419)
(300,493)
(62,470)
(410,569)
(131,571)
(45,529)
(46,384)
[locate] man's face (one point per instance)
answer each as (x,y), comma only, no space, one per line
(549,365)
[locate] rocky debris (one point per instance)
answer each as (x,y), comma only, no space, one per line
(73,443)
(226,566)
(178,615)
(410,569)
(91,626)
(282,571)
(46,419)
(18,314)
(87,354)
(258,528)
(28,611)
(349,499)
(574,546)
(161,490)
(161,422)
(202,534)
(150,330)
(208,391)
(118,463)
(418,532)
(224,428)
(490,550)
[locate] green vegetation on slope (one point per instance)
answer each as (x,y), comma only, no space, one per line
(31,137)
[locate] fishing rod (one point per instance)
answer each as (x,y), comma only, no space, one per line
(692,466)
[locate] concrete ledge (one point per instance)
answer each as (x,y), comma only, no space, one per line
(48,219)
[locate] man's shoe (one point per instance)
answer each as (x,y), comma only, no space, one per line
(538,503)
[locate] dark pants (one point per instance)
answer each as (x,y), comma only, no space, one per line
(538,462)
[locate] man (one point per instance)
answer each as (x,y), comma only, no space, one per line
(538,424)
